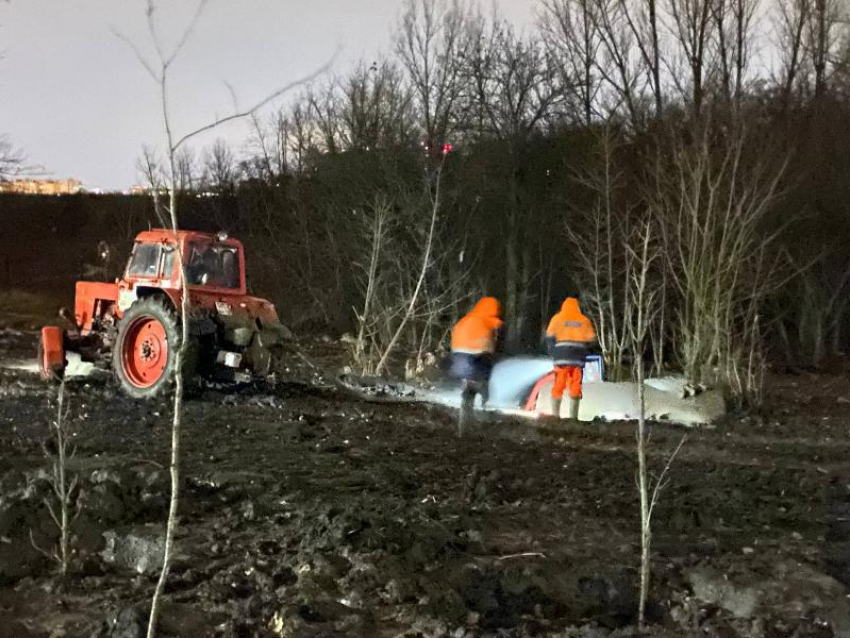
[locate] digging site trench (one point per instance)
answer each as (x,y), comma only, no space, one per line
(307,511)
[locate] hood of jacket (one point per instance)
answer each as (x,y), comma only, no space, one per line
(571,307)
(487,307)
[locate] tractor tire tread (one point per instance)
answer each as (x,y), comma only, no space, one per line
(165,314)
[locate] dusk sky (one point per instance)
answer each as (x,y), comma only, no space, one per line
(74,98)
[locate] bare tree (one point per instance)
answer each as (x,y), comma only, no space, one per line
(790,28)
(369,109)
(160,71)
(11,159)
(186,170)
(514,82)
(810,37)
(514,88)
(409,287)
(841,59)
(377,223)
(622,65)
(448,289)
(643,303)
(644,252)
(712,200)
(692,28)
(643,21)
(219,168)
(300,141)
(373,108)
(618,253)
(599,238)
(821,41)
(431,45)
(282,144)
(733,24)
(268,158)
(433,191)
(67,504)
(324,109)
(572,30)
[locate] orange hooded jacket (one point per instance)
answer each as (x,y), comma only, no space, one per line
(571,333)
(477,332)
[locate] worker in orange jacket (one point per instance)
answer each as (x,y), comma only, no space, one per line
(475,341)
(569,336)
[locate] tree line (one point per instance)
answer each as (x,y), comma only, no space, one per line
(700,144)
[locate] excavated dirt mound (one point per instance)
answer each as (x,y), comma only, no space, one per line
(309,512)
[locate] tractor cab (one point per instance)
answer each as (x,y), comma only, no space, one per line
(212,262)
(213,265)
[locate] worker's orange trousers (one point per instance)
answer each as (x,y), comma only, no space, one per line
(567,378)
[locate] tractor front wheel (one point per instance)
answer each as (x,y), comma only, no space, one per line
(145,356)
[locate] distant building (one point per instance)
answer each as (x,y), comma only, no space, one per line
(42,186)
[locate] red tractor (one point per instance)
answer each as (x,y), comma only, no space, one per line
(136,321)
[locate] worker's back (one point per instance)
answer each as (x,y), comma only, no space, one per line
(476,333)
(570,334)
(570,325)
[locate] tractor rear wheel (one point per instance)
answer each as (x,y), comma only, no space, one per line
(145,355)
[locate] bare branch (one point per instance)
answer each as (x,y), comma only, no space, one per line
(256,107)
(146,65)
(660,481)
(190,28)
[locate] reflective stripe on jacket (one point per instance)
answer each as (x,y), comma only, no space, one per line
(569,353)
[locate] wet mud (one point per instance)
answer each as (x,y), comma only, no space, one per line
(308,511)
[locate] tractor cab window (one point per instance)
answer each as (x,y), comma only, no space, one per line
(168,253)
(144,261)
(213,265)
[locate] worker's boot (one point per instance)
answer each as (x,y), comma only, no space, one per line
(467,405)
(574,403)
(484,391)
(556,408)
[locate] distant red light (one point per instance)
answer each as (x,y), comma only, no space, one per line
(447,148)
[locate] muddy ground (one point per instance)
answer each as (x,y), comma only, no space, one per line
(309,512)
